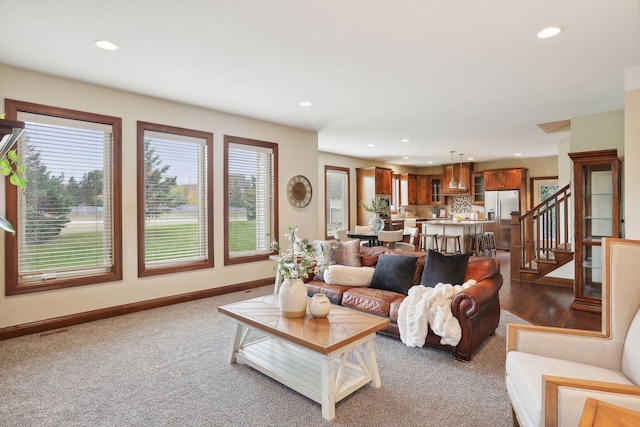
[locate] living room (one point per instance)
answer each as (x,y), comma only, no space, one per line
(298,153)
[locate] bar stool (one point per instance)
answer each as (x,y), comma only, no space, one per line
(457,246)
(489,242)
(478,246)
(424,242)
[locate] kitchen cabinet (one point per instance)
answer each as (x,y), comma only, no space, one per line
(505,179)
(423,189)
(383,180)
(457,172)
(477,188)
(408,189)
(371,182)
(596,195)
(435,195)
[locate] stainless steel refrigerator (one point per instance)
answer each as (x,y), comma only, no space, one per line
(498,206)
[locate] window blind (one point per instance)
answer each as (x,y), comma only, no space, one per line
(65,213)
(250,200)
(175,199)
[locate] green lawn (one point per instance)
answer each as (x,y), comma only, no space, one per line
(80,249)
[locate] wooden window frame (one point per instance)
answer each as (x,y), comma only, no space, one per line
(348,204)
(143,269)
(228,140)
(12,285)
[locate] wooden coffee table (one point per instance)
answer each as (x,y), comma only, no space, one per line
(323,359)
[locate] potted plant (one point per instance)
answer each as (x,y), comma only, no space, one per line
(10,164)
(377,206)
(434,211)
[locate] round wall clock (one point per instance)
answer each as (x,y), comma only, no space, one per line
(299,191)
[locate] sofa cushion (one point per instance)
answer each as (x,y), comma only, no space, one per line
(374,301)
(447,269)
(333,292)
(340,253)
(346,275)
(394,273)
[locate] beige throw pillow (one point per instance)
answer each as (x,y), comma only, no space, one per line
(337,253)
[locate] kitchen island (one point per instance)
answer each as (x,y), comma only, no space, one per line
(449,227)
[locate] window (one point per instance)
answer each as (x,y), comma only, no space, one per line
(337,198)
(251,216)
(68,218)
(175,199)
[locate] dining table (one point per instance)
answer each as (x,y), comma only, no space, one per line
(372,237)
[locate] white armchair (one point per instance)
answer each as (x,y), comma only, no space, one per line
(550,372)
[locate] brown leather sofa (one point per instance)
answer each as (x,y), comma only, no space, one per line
(476,308)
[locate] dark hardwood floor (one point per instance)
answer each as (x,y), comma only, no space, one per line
(545,305)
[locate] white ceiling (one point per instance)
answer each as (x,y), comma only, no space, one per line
(462,75)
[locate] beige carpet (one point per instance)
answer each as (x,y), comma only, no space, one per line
(168,367)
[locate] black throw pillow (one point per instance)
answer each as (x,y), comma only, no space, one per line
(394,273)
(441,268)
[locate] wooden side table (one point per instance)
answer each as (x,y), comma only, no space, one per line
(597,413)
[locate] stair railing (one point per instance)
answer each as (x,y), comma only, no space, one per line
(541,231)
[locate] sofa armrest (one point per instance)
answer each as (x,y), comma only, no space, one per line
(478,311)
(564,398)
(577,345)
(468,302)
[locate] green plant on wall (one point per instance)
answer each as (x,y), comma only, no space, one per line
(10,166)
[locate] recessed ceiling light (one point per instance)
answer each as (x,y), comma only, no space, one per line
(429,163)
(106,45)
(306,104)
(371,145)
(469,158)
(518,154)
(549,32)
(406,158)
(404,140)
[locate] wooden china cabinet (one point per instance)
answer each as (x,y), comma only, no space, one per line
(596,181)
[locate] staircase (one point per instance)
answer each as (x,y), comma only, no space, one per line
(540,238)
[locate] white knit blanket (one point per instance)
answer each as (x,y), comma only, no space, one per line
(426,306)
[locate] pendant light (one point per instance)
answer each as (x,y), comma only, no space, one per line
(461,184)
(452,183)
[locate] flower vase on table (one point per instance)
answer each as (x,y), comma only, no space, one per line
(319,306)
(376,223)
(293,298)
(294,265)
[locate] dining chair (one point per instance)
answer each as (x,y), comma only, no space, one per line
(390,237)
(411,244)
(341,235)
(410,222)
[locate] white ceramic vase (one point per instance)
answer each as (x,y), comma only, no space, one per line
(293,298)
(376,223)
(319,305)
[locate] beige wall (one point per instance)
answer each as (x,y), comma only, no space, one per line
(28,86)
(598,132)
(632,152)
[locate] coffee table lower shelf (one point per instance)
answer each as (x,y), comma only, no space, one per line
(323,378)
